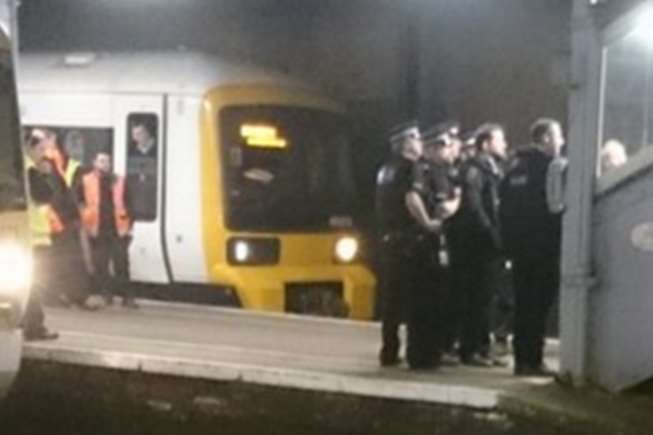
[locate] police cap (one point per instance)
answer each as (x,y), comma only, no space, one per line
(437,135)
(450,127)
(403,131)
(468,138)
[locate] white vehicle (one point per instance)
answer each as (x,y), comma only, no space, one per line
(15,254)
(240,179)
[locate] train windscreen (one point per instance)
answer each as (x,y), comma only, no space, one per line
(286,168)
(12,194)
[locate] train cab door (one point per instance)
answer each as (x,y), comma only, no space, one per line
(139,152)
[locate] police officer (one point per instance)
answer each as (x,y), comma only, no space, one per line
(531,231)
(443,200)
(400,213)
(478,243)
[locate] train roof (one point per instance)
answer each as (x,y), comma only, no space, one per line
(178,72)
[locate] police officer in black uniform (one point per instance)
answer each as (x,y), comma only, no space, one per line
(442,199)
(453,301)
(400,215)
(531,232)
(478,243)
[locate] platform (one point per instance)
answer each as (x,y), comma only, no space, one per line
(295,352)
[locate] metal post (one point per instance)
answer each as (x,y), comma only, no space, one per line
(577,234)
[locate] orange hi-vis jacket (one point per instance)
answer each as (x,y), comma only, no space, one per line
(91,209)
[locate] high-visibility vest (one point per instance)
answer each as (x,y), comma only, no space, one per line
(44,220)
(91,210)
(38,216)
(68,174)
(70,171)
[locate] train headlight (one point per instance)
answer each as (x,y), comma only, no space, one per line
(241,251)
(252,251)
(346,249)
(15,270)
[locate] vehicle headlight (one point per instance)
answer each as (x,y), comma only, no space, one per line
(241,251)
(252,251)
(346,249)
(15,269)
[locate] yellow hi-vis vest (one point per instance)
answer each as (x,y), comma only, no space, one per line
(69,174)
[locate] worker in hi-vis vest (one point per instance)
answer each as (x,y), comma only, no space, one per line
(106,218)
(68,275)
(39,217)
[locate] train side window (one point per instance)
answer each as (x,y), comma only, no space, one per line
(81,143)
(142,164)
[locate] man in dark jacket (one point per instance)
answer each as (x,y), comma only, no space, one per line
(442,199)
(477,242)
(401,213)
(531,232)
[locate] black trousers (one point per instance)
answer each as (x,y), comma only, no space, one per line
(394,283)
(476,278)
(452,303)
(503,306)
(111,249)
(425,313)
(68,275)
(409,293)
(536,280)
(34,318)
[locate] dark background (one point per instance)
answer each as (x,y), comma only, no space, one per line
(388,60)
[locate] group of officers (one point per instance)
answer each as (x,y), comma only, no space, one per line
(80,223)
(452,211)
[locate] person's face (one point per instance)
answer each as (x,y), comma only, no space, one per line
(38,151)
(443,153)
(47,147)
(416,145)
(439,153)
(496,144)
(49,142)
(455,149)
(431,153)
(412,145)
(36,145)
(554,139)
(102,163)
(613,158)
(140,135)
(74,145)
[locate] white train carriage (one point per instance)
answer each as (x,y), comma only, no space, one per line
(246,188)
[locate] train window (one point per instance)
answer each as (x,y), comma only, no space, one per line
(142,164)
(11,173)
(82,143)
(287,168)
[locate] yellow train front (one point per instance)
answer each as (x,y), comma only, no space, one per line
(250,190)
(278,198)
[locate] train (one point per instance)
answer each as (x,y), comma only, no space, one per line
(240,177)
(15,253)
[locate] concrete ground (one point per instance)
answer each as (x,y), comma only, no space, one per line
(311,354)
